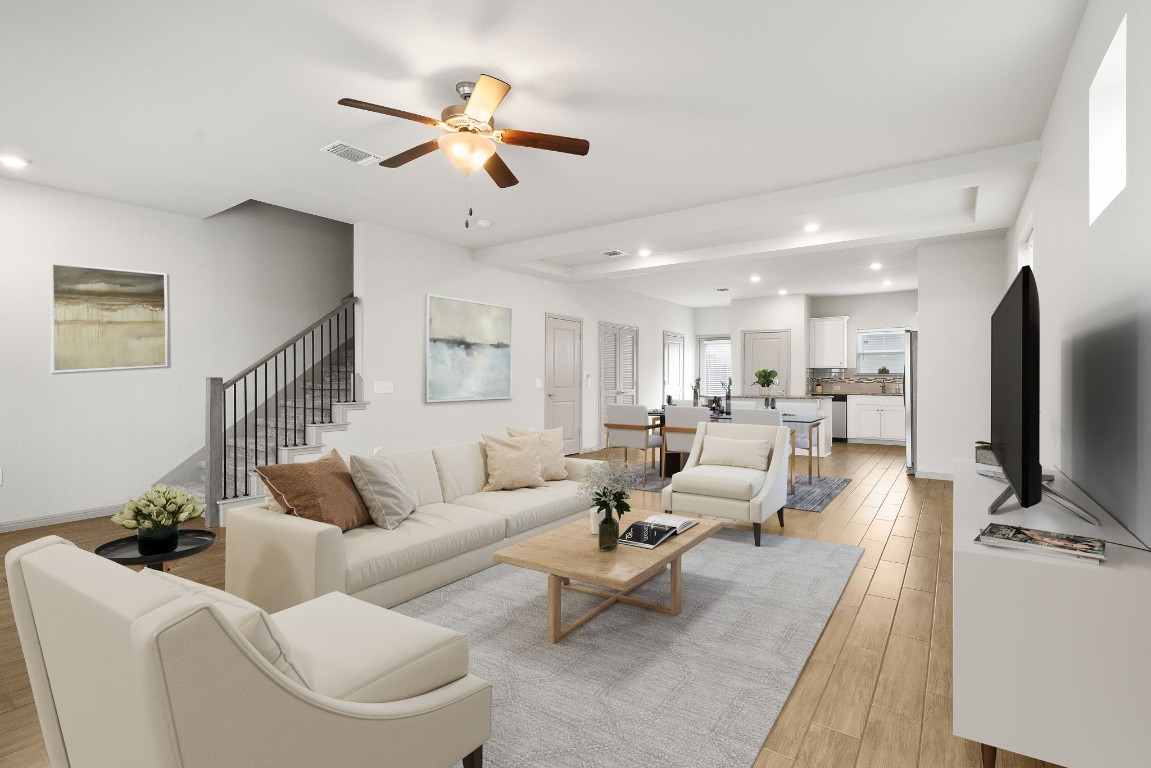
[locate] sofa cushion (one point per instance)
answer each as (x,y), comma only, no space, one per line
(320,490)
(462,469)
(553,465)
(388,495)
(527,508)
(738,483)
(379,655)
(434,532)
(419,467)
(731,452)
(249,620)
(513,462)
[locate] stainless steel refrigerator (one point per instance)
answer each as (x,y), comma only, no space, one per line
(910,393)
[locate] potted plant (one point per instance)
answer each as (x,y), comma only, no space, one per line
(727,396)
(883,369)
(765,379)
(607,485)
(156,515)
(695,392)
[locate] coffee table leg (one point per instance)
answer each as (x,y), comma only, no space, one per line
(676,587)
(555,590)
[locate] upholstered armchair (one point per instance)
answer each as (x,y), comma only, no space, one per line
(735,471)
(147,670)
(772,417)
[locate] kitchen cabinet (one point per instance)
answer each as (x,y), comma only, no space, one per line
(827,342)
(875,419)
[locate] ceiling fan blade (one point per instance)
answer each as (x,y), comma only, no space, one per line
(412,154)
(488,94)
(543,141)
(500,173)
(388,111)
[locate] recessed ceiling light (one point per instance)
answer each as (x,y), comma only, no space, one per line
(876,265)
(754,278)
(782,292)
(11,161)
(811,226)
(886,283)
(644,252)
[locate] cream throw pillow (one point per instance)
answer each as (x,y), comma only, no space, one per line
(387,494)
(731,452)
(513,462)
(249,620)
(552,463)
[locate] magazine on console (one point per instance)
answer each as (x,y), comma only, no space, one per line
(652,531)
(1045,542)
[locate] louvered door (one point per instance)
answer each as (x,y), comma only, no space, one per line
(619,368)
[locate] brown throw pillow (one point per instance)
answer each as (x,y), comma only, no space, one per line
(320,490)
(513,462)
(552,463)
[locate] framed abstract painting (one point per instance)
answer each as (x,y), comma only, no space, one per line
(106,319)
(469,351)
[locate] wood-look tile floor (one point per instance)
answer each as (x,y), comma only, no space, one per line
(876,691)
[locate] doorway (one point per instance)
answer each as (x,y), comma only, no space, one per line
(619,364)
(673,346)
(767,349)
(563,378)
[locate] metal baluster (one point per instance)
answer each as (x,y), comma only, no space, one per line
(265,401)
(245,435)
(323,378)
(276,394)
(331,373)
(353,351)
(235,457)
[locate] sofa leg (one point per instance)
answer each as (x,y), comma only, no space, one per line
(755,529)
(779,514)
(475,759)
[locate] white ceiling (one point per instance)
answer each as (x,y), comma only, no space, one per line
(716,129)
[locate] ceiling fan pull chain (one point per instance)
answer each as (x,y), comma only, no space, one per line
(468,200)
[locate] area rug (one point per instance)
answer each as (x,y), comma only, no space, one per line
(634,688)
(816,495)
(654,483)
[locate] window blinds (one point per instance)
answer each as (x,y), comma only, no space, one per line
(714,365)
(878,348)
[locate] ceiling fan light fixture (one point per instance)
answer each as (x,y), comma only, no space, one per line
(467,151)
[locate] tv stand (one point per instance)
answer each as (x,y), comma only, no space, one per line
(1050,655)
(1048,491)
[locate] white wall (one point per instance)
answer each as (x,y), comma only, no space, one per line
(712,321)
(867,311)
(1095,282)
(394,274)
(240,283)
(960,284)
(771,314)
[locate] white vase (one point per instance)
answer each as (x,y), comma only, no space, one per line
(595,516)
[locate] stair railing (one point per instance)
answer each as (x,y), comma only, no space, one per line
(269,400)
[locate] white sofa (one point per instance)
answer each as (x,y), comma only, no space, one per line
(148,670)
(732,492)
(278,560)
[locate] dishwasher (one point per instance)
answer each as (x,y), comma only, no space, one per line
(839,418)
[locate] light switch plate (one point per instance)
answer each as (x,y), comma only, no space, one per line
(383,387)
(539,383)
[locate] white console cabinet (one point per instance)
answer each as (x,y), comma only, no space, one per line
(1052,657)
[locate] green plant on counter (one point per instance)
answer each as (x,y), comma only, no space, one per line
(883,369)
(695,386)
(727,386)
(766,377)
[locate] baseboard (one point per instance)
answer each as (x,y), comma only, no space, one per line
(67,517)
(935,476)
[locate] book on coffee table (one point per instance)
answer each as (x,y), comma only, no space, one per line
(652,531)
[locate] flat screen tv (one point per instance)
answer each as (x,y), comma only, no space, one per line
(1015,388)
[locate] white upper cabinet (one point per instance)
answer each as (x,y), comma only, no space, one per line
(827,342)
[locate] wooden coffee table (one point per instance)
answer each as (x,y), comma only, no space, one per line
(570,553)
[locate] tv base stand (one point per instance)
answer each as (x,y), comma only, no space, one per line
(1048,491)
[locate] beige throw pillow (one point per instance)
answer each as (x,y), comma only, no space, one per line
(320,490)
(249,620)
(513,462)
(388,495)
(731,452)
(553,466)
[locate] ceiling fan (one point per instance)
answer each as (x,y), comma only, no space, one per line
(470,134)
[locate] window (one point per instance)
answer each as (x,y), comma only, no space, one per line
(1107,127)
(714,364)
(880,348)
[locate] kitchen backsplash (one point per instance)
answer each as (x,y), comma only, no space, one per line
(850,382)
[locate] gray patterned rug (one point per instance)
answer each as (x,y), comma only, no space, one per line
(635,688)
(815,496)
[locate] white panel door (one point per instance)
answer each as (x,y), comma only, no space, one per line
(673,346)
(563,363)
(765,349)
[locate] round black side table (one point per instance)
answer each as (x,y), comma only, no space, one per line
(125,551)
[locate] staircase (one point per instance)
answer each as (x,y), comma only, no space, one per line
(278,408)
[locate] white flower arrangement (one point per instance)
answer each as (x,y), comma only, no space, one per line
(607,486)
(158,507)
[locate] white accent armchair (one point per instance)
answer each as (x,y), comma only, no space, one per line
(732,491)
(772,417)
(132,670)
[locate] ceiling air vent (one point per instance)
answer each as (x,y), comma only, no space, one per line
(346,151)
(613,254)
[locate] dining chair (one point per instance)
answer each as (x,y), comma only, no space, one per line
(802,436)
(770,417)
(679,428)
(629,426)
